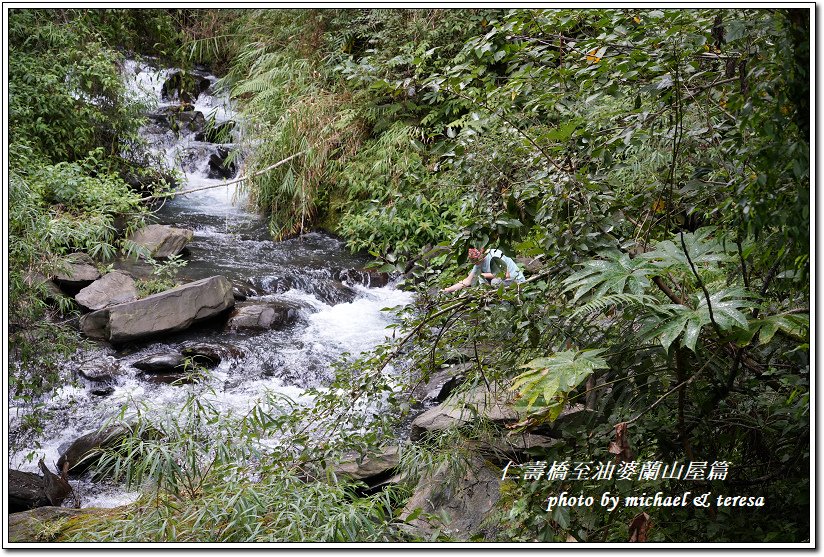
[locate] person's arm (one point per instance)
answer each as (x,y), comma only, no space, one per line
(461,284)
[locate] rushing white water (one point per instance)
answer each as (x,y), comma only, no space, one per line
(333,318)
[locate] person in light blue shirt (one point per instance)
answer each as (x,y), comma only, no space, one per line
(482,270)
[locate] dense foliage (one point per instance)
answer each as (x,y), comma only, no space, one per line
(655,162)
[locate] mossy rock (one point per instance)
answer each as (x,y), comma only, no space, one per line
(49,524)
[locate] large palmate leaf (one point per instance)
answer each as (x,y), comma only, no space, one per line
(794,325)
(612,273)
(703,248)
(726,307)
(554,376)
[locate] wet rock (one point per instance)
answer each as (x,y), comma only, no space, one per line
(102,391)
(87,449)
(219,167)
(112,288)
(441,383)
(161,363)
(464,503)
(184,86)
(102,370)
(372,279)
(209,355)
(191,121)
(161,240)
(76,271)
(25,491)
(243,291)
(262,317)
(479,403)
(170,378)
(334,293)
(171,311)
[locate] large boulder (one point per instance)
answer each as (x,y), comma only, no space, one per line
(262,317)
(456,498)
(493,404)
(112,288)
(161,240)
(76,271)
(167,312)
(46,524)
(25,491)
(87,449)
(370,468)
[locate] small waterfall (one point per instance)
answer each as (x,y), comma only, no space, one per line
(333,316)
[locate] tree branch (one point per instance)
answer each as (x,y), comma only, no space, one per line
(235,181)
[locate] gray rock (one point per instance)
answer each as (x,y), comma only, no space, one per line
(112,288)
(530,265)
(162,240)
(87,449)
(262,317)
(465,503)
(161,363)
(371,466)
(25,491)
(441,383)
(571,416)
(333,292)
(100,370)
(76,270)
(514,446)
(461,408)
(94,324)
(171,311)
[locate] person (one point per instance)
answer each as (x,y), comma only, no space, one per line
(482,269)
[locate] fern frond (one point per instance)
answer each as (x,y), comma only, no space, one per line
(599,304)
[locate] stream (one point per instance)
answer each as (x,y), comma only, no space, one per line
(339,312)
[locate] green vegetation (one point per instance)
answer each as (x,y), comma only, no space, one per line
(656,162)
